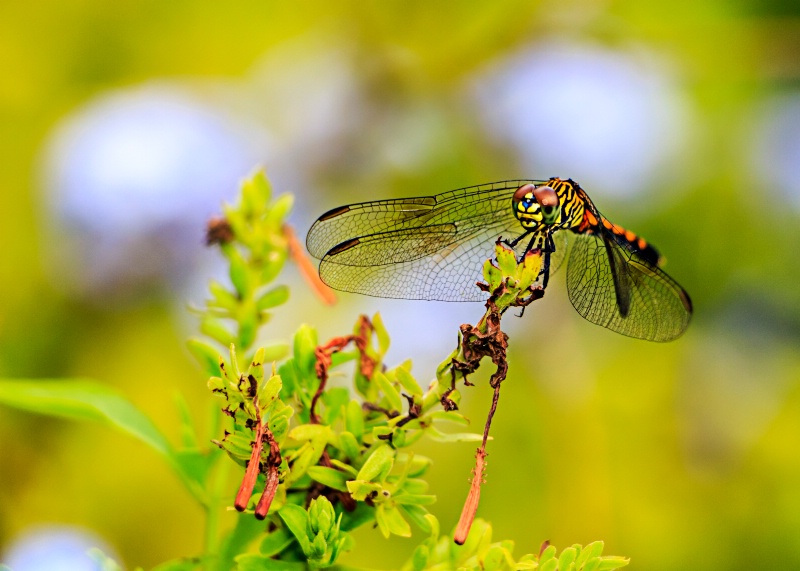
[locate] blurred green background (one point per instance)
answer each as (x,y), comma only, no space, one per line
(124,125)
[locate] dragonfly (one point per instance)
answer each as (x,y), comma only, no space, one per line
(433,248)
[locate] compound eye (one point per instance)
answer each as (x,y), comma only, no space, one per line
(548,199)
(519,194)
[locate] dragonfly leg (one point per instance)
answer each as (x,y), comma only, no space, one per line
(529,248)
(516,240)
(549,248)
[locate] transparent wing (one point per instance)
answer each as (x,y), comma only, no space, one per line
(614,287)
(369,218)
(438,262)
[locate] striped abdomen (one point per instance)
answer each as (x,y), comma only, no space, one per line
(594,223)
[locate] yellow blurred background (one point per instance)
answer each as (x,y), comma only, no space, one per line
(124,126)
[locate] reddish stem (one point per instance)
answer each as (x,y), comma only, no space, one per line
(307,269)
(251,474)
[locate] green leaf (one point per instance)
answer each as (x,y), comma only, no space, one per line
(439,436)
(528,271)
(260,188)
(305,342)
(354,419)
(296,519)
(381,333)
(222,298)
(276,542)
(309,456)
(567,558)
(346,468)
(414,499)
(273,265)
(393,521)
(188,434)
(449,416)
(329,477)
(335,400)
(248,327)
(275,352)
(612,562)
(268,392)
(349,445)
(378,465)
(389,390)
(420,558)
(358,517)
(360,489)
(548,554)
(311,432)
(506,260)
(419,516)
(239,273)
(214,328)
(492,275)
(408,382)
(280,210)
(273,298)
(594,549)
(83,400)
(182,564)
(206,355)
(253,562)
(493,559)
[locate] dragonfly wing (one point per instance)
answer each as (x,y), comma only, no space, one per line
(561,243)
(614,287)
(441,262)
(376,217)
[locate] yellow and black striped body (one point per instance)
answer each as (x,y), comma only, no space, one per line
(579,214)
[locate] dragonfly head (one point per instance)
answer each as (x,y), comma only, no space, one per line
(536,205)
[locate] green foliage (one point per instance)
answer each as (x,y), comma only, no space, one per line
(479,553)
(328,459)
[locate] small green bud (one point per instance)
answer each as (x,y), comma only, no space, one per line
(321,515)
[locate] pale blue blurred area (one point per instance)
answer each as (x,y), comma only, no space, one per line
(614,120)
(777,152)
(131,179)
(53,548)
